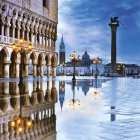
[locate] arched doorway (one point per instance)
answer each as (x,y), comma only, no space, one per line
(4,71)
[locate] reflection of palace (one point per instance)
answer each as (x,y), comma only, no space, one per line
(38,105)
(36,23)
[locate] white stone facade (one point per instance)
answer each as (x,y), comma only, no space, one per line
(34,23)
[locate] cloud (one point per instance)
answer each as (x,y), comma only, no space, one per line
(85,27)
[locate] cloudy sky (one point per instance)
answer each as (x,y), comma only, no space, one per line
(84,25)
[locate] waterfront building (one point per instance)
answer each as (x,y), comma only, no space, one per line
(84,66)
(34,22)
(122,69)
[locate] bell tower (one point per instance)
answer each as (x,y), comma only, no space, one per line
(62,52)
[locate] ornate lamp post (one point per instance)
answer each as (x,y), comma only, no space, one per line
(74,102)
(74,59)
(19,123)
(97,61)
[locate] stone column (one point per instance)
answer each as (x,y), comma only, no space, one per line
(53,71)
(48,71)
(35,39)
(39,45)
(2,31)
(43,41)
(27,35)
(26,70)
(41,70)
(114,24)
(17,70)
(23,30)
(13,32)
(7,32)
(46,43)
(49,41)
(6,69)
(18,32)
(31,36)
(34,70)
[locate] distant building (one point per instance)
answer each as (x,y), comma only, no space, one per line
(123,69)
(84,66)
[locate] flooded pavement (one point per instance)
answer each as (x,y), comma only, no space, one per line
(60,109)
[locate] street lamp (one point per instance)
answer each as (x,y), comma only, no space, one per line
(96,61)
(74,102)
(74,59)
(20,122)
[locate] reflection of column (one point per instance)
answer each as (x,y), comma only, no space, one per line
(53,71)
(41,71)
(26,70)
(16,88)
(48,71)
(41,85)
(17,70)
(6,88)
(6,70)
(34,85)
(113,115)
(34,70)
(6,131)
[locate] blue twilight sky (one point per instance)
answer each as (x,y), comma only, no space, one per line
(84,25)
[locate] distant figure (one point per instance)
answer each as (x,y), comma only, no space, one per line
(114,20)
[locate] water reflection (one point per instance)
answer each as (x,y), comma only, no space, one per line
(113,113)
(84,85)
(38,104)
(74,102)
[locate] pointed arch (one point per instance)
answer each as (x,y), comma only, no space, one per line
(33,57)
(3,58)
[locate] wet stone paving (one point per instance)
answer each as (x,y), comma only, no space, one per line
(60,109)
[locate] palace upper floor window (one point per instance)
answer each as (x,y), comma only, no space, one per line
(46,3)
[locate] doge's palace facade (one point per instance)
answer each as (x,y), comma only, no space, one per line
(35,21)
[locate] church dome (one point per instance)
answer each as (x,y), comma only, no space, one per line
(85,56)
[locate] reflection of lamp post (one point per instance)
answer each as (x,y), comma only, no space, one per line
(74,59)
(74,102)
(20,122)
(96,61)
(96,90)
